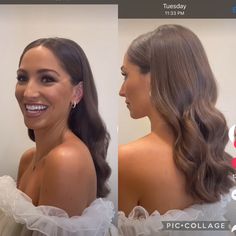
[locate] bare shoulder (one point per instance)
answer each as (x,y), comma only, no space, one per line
(69,154)
(145,161)
(27,156)
(25,161)
(70,161)
(132,149)
(149,162)
(128,156)
(129,174)
(69,179)
(147,158)
(135,153)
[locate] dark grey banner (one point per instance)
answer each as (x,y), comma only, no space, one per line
(177,9)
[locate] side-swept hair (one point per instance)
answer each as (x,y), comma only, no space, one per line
(184,92)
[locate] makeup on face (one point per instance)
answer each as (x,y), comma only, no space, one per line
(43,89)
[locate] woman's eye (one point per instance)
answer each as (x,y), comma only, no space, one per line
(124,75)
(22,78)
(47,79)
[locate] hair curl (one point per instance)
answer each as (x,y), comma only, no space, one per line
(184,92)
(84,121)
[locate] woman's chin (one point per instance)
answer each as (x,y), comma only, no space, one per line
(33,124)
(135,115)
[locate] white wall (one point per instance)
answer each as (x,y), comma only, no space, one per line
(219,40)
(95,29)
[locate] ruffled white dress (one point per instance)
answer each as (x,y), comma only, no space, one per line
(140,223)
(19,217)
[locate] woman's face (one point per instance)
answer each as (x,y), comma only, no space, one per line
(43,90)
(135,89)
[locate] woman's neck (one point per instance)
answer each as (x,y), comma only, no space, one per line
(161,128)
(48,138)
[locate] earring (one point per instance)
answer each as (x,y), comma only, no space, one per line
(74,104)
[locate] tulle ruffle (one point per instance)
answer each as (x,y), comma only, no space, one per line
(140,223)
(17,207)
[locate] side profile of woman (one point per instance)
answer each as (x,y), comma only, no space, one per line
(62,180)
(179,171)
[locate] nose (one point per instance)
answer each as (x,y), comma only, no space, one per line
(122,90)
(31,89)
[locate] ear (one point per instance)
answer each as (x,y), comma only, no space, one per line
(147,80)
(77,93)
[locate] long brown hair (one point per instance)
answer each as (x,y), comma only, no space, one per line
(184,92)
(84,121)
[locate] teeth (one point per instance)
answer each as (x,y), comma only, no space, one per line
(35,107)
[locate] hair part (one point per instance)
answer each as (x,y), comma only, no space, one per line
(184,92)
(84,121)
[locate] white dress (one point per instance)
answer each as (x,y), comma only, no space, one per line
(19,217)
(140,223)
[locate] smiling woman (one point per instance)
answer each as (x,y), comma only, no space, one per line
(44,90)
(66,172)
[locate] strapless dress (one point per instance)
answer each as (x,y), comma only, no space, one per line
(140,223)
(19,217)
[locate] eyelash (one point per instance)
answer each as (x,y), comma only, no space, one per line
(48,78)
(124,75)
(45,79)
(21,78)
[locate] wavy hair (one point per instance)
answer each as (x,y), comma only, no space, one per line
(84,120)
(184,92)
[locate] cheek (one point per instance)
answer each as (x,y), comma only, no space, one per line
(136,91)
(61,96)
(131,89)
(19,93)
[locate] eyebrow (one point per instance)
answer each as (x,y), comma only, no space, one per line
(39,71)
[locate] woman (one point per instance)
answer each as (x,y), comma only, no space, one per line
(66,171)
(179,171)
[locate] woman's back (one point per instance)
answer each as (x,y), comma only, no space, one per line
(149,177)
(152,191)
